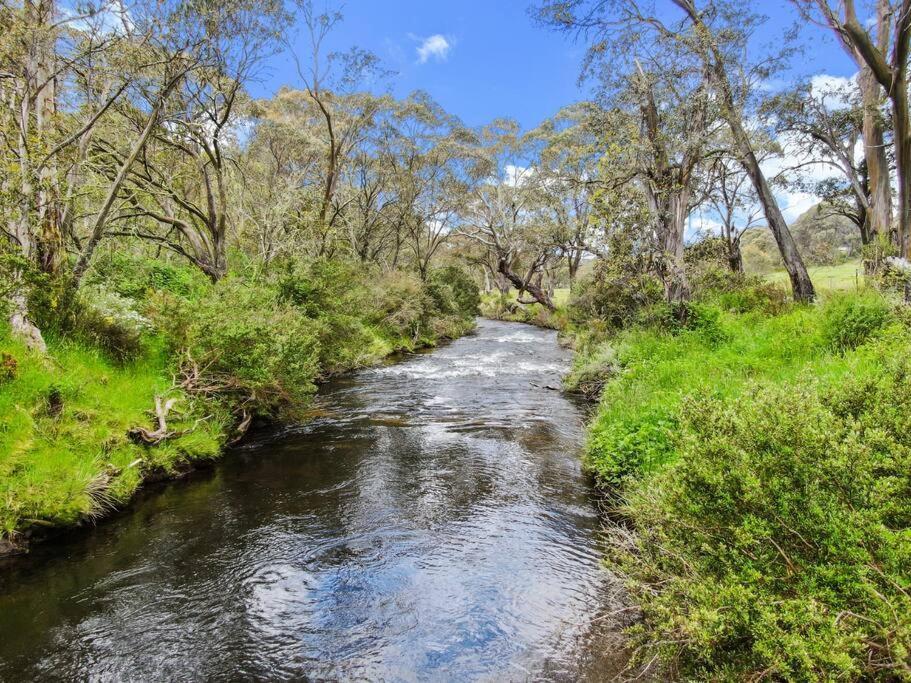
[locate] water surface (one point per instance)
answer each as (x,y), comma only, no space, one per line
(432,524)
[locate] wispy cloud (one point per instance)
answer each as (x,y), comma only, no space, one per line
(435,47)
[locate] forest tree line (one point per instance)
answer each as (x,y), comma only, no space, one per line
(133,127)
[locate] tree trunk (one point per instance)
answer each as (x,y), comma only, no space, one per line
(879,185)
(735,256)
(535,290)
(101,219)
(22,326)
(676,284)
(902,125)
(801,285)
(49,236)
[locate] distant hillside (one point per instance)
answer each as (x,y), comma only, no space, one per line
(823,240)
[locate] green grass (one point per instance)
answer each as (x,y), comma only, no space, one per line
(847,276)
(635,427)
(64,450)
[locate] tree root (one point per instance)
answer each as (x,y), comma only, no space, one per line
(141,435)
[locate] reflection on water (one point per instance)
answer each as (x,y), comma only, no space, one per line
(433,525)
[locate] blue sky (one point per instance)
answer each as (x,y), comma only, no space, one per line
(490,59)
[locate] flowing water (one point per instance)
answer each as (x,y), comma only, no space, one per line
(431,524)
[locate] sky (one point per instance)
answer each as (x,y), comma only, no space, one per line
(483,59)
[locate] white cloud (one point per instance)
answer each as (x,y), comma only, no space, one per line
(794,204)
(516,176)
(436,47)
(835,91)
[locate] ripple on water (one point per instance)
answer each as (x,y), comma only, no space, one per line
(432,524)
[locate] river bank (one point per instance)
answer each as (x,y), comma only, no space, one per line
(758,451)
(87,423)
(433,522)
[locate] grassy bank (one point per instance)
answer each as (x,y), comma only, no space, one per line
(761,451)
(498,306)
(79,429)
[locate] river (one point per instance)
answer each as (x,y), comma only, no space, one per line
(431,523)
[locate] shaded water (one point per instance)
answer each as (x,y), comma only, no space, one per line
(434,524)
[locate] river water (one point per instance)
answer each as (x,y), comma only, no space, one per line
(432,523)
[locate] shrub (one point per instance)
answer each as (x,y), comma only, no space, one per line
(627,448)
(397,305)
(109,321)
(242,343)
(613,295)
(739,293)
(850,319)
(777,545)
(135,276)
(591,370)
(322,286)
(454,292)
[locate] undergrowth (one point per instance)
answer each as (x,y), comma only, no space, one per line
(79,430)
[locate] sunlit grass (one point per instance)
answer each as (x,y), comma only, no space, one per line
(636,423)
(843,277)
(65,432)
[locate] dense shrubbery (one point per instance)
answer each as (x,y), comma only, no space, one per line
(850,319)
(613,295)
(771,513)
(136,277)
(778,543)
(253,344)
(242,344)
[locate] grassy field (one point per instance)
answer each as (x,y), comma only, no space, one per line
(843,277)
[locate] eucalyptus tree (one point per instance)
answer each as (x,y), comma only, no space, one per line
(331,81)
(499,211)
(430,155)
(47,54)
(717,32)
(566,153)
(676,117)
(174,177)
(825,123)
(731,198)
(371,207)
(878,40)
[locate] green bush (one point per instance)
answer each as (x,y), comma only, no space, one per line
(244,345)
(592,368)
(135,276)
(850,319)
(739,293)
(626,448)
(778,543)
(110,322)
(397,305)
(613,295)
(454,292)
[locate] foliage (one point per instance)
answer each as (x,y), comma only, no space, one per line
(135,276)
(613,294)
(659,366)
(242,344)
(850,319)
(454,292)
(776,544)
(109,322)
